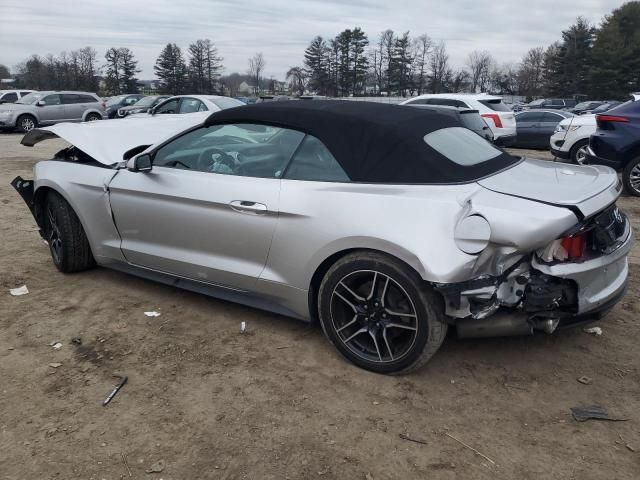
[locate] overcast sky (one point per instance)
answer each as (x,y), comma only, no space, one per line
(281,29)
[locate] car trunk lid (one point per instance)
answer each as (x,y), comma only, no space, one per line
(584,189)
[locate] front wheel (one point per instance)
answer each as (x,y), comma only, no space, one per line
(631,177)
(26,123)
(92,117)
(67,241)
(379,314)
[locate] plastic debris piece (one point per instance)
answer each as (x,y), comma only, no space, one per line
(16,292)
(592,413)
(585,380)
(597,331)
(152,314)
(76,341)
(243,327)
(55,365)
(56,345)
(156,467)
(116,389)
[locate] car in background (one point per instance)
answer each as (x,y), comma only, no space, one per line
(534,127)
(143,105)
(497,114)
(605,107)
(47,108)
(273,98)
(188,104)
(616,143)
(12,96)
(115,103)
(570,140)
(469,118)
(585,107)
(247,100)
(550,104)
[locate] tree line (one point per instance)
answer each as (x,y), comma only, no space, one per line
(599,62)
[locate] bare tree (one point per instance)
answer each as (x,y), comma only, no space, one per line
(298,78)
(256,67)
(531,72)
(422,48)
(439,68)
(480,68)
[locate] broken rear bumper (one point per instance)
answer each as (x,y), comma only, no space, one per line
(601,280)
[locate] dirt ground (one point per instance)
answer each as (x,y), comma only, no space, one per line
(278,402)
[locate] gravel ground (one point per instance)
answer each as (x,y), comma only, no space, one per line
(278,402)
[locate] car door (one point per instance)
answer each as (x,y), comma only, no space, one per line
(51,110)
(545,129)
(208,208)
(527,124)
(73,107)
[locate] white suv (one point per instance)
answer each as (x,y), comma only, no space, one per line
(497,114)
(10,96)
(570,140)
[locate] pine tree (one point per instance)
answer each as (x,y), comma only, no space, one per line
(204,66)
(171,69)
(400,65)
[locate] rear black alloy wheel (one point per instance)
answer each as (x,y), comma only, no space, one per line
(579,152)
(379,314)
(373,316)
(63,232)
(631,177)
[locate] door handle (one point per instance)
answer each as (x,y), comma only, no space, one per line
(246,206)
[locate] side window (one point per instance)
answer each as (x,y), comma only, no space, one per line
(87,99)
(10,97)
(131,100)
(170,106)
(69,98)
(552,118)
(51,100)
(529,117)
(22,94)
(202,108)
(314,162)
(419,101)
(189,105)
(235,149)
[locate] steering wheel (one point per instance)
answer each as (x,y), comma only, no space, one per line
(205,163)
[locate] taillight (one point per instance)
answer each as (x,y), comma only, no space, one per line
(574,246)
(611,118)
(495,117)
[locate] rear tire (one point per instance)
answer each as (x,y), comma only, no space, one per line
(26,123)
(631,177)
(67,241)
(92,117)
(578,151)
(379,313)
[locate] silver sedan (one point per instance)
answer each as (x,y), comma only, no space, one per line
(386,224)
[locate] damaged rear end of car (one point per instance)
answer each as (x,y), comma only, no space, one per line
(574,278)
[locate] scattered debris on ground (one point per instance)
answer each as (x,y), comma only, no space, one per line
(585,380)
(123,380)
(16,292)
(156,467)
(593,413)
(152,314)
(597,331)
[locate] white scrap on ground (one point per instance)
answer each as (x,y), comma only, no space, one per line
(23,290)
(152,314)
(594,331)
(243,326)
(56,345)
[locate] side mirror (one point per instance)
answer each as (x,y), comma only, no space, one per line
(40,103)
(141,163)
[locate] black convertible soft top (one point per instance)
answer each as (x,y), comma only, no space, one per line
(373,142)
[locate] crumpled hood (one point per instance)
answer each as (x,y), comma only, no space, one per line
(106,141)
(588,188)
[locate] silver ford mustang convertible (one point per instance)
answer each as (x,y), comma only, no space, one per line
(387,224)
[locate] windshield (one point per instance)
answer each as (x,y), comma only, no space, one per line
(535,103)
(583,106)
(145,102)
(461,146)
(31,98)
(114,100)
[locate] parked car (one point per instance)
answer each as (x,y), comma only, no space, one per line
(570,140)
(535,127)
(605,107)
(498,115)
(470,119)
(11,96)
(47,108)
(181,104)
(115,103)
(583,108)
(387,224)
(550,103)
(142,106)
(273,98)
(616,143)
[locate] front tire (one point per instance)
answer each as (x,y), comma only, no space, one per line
(579,151)
(631,177)
(92,117)
(379,313)
(26,123)
(67,241)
